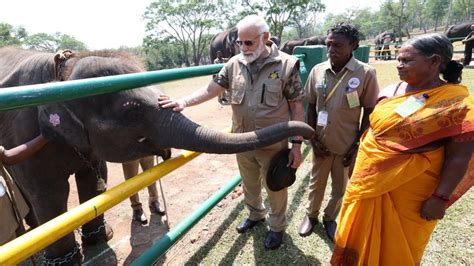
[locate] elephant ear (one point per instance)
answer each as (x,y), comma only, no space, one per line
(59,122)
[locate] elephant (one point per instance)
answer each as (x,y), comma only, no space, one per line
(288,46)
(382,45)
(86,132)
(225,42)
(458,32)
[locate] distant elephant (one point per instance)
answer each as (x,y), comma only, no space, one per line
(86,132)
(382,45)
(459,31)
(224,42)
(275,40)
(288,46)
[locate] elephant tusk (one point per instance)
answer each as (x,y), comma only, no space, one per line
(141,139)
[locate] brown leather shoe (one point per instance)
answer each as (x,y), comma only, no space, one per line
(306,227)
(155,207)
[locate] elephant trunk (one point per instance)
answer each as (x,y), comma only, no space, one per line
(188,135)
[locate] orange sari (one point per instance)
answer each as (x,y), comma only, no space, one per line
(380,222)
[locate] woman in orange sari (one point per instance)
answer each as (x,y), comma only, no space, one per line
(412,161)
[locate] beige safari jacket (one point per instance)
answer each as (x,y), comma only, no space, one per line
(261,99)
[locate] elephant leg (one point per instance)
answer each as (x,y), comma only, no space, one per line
(48,203)
(95,231)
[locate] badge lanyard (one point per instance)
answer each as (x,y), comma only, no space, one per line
(331,93)
(323,114)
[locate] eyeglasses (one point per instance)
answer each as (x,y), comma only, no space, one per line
(248,42)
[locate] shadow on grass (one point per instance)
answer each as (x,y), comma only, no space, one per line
(292,254)
(206,248)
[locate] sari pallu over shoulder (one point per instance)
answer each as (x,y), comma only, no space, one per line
(448,112)
(380,222)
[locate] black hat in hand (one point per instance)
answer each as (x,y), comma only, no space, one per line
(280,176)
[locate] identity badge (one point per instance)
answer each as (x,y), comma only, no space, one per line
(322,118)
(353,99)
(410,105)
(2,189)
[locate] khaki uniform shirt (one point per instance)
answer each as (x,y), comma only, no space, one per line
(260,91)
(343,122)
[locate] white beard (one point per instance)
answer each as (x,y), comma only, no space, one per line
(250,58)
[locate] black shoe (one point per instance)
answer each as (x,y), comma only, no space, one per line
(139,216)
(273,240)
(330,228)
(307,225)
(155,207)
(246,225)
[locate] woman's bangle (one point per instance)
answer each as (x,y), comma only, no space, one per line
(440,197)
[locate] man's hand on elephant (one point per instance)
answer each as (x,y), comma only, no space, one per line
(166,102)
(294,157)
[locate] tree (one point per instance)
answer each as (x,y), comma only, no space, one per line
(397,16)
(283,13)
(305,16)
(436,10)
(53,42)
(185,22)
(10,35)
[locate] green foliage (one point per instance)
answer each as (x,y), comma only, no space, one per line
(162,54)
(53,42)
(185,22)
(281,14)
(10,35)
(436,9)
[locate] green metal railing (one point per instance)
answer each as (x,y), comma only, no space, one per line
(32,95)
(166,241)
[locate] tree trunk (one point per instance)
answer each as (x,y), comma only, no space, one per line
(448,17)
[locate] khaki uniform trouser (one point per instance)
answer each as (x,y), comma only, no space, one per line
(253,166)
(8,222)
(319,177)
(130,169)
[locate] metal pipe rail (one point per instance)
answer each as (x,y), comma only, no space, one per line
(165,242)
(37,239)
(32,95)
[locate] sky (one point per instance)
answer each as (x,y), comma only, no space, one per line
(104,24)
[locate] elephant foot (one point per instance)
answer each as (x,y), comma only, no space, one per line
(102,234)
(74,257)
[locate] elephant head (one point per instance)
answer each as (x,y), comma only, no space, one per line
(127,125)
(225,42)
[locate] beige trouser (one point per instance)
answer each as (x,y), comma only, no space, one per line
(319,177)
(130,169)
(253,166)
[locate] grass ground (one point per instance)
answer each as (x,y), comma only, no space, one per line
(451,243)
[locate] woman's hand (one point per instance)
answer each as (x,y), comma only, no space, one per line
(433,209)
(166,102)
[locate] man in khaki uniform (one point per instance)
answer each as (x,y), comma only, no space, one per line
(130,169)
(265,89)
(337,91)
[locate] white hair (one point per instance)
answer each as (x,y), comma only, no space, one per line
(253,21)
